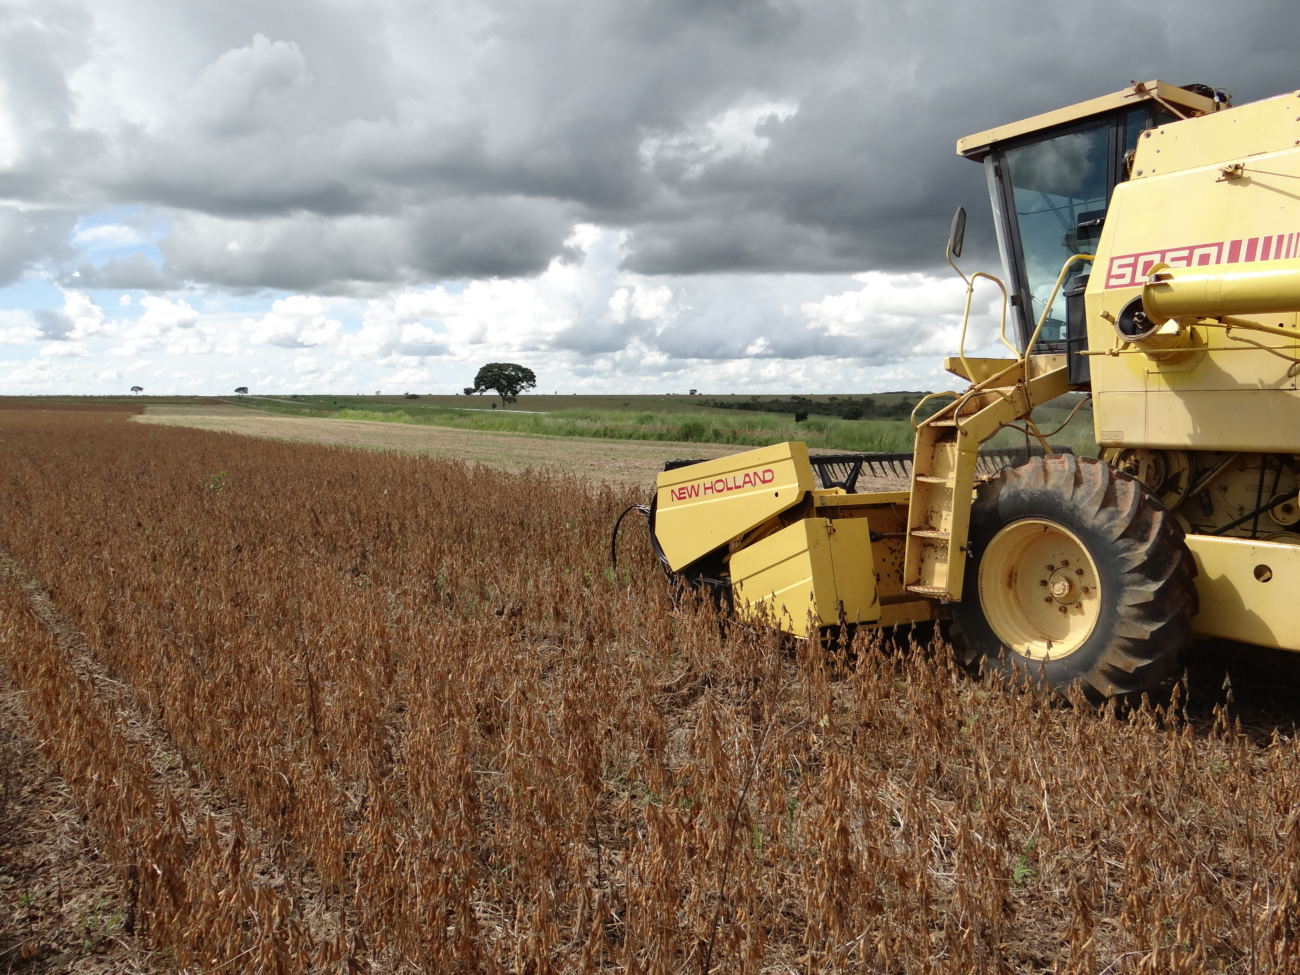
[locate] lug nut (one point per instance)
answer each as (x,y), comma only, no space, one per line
(1051,568)
(1042,582)
(1064,563)
(1078,572)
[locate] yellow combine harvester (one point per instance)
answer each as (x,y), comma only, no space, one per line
(1150,260)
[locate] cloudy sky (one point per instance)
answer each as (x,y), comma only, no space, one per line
(624,195)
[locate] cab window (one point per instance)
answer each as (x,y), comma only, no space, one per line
(1054,190)
(1058,187)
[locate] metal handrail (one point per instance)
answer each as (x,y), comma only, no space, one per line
(925,399)
(1072,260)
(965,317)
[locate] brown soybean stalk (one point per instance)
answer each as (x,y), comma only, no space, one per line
(383,713)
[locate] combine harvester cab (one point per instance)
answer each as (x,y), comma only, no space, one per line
(1151,258)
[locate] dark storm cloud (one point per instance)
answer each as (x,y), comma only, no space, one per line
(334,146)
(598,337)
(500,236)
(310,253)
(875,192)
(865,174)
(302,252)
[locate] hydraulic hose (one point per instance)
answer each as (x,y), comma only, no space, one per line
(641,509)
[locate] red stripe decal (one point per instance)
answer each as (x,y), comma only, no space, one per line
(1129,270)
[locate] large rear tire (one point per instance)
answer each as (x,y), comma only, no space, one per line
(1076,576)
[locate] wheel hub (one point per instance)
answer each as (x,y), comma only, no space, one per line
(1061,587)
(1038,588)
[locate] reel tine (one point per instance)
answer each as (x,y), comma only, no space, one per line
(844,470)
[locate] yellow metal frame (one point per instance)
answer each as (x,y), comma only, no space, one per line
(816,572)
(948,443)
(701,507)
(1247,590)
(1202,235)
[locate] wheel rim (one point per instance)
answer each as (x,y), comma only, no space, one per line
(1039,589)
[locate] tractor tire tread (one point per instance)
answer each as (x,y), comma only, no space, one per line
(1152,614)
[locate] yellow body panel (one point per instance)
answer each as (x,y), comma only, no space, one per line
(1215,195)
(1241,134)
(1247,590)
(886,512)
(1256,420)
(704,506)
(812,573)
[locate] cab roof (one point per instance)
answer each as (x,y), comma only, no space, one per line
(1182,101)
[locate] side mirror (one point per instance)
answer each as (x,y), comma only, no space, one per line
(956,233)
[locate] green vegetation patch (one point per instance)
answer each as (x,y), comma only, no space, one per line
(734,420)
(881,406)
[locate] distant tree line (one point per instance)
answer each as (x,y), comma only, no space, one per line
(886,406)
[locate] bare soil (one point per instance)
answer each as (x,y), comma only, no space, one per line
(628,463)
(61,907)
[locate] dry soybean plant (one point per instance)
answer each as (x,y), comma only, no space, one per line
(409,720)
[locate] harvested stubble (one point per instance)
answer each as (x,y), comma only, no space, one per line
(452,741)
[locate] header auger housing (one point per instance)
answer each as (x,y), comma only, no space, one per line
(1151,257)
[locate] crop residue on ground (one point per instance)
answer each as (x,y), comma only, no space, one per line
(337,710)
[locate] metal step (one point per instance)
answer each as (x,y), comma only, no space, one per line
(931,591)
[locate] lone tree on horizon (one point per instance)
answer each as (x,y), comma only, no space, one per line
(137,389)
(508,379)
(241,390)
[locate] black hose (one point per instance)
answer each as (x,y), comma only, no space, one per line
(641,509)
(1259,494)
(654,540)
